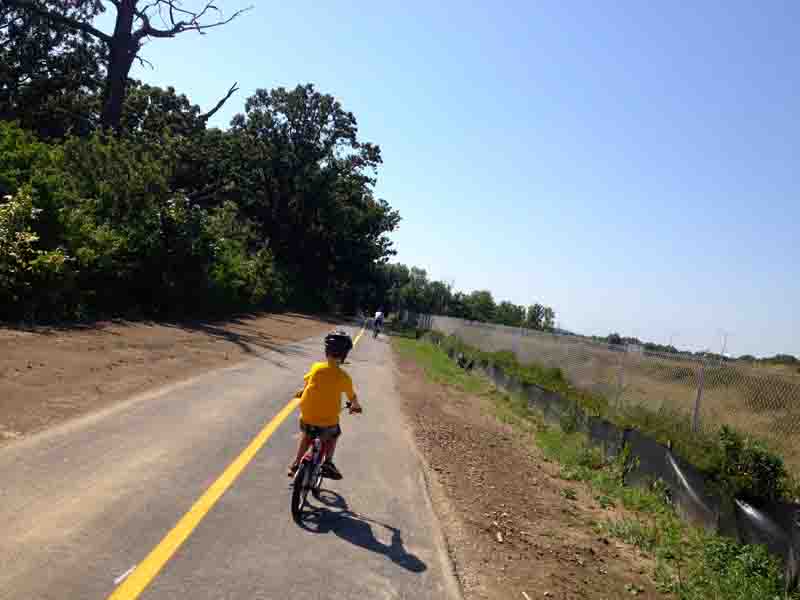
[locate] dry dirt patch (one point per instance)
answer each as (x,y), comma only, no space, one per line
(48,375)
(515,530)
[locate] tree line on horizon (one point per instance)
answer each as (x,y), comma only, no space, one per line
(615,339)
(409,288)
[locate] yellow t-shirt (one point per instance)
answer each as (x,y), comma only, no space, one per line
(321,401)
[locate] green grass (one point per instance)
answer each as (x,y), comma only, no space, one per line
(691,564)
(438,367)
(605,501)
(513,411)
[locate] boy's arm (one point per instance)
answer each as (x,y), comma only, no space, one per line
(306,379)
(352,397)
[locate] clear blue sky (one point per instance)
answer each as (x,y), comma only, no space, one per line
(634,165)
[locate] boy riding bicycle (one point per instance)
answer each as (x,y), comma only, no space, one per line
(321,400)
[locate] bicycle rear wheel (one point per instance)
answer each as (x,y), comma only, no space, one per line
(302,483)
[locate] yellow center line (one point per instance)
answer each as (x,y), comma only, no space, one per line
(146,571)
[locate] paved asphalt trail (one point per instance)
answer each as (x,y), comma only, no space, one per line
(84,502)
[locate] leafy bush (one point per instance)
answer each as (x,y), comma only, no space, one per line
(17,245)
(32,280)
(238,277)
(94,228)
(722,568)
(21,155)
(748,470)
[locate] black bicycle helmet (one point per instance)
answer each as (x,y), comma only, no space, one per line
(338,344)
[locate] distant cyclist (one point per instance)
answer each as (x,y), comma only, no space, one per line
(378,320)
(321,400)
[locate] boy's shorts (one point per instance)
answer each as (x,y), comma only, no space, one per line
(325,433)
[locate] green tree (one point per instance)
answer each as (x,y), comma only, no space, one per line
(548,319)
(459,306)
(439,294)
(510,314)
(534,319)
(481,305)
(783,359)
(50,73)
(150,112)
(306,181)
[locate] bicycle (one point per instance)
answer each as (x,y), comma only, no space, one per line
(376,329)
(309,474)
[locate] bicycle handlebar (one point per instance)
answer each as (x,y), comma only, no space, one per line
(349,406)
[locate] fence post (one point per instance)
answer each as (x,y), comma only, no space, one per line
(620,375)
(516,336)
(700,380)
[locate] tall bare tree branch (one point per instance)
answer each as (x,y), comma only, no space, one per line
(144,62)
(192,22)
(234,88)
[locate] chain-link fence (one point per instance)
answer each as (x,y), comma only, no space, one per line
(763,401)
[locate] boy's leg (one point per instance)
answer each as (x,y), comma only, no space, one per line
(331,449)
(329,469)
(303,446)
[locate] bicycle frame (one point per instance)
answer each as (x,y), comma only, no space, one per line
(317,451)
(309,474)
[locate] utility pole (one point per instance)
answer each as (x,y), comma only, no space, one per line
(671,336)
(724,334)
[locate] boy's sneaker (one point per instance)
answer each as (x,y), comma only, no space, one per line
(330,471)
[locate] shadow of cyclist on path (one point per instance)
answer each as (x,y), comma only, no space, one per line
(337,518)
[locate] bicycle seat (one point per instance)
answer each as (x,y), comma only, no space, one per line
(314,431)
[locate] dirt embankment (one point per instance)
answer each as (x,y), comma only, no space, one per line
(48,375)
(514,529)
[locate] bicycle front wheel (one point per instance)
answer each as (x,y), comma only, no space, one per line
(302,483)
